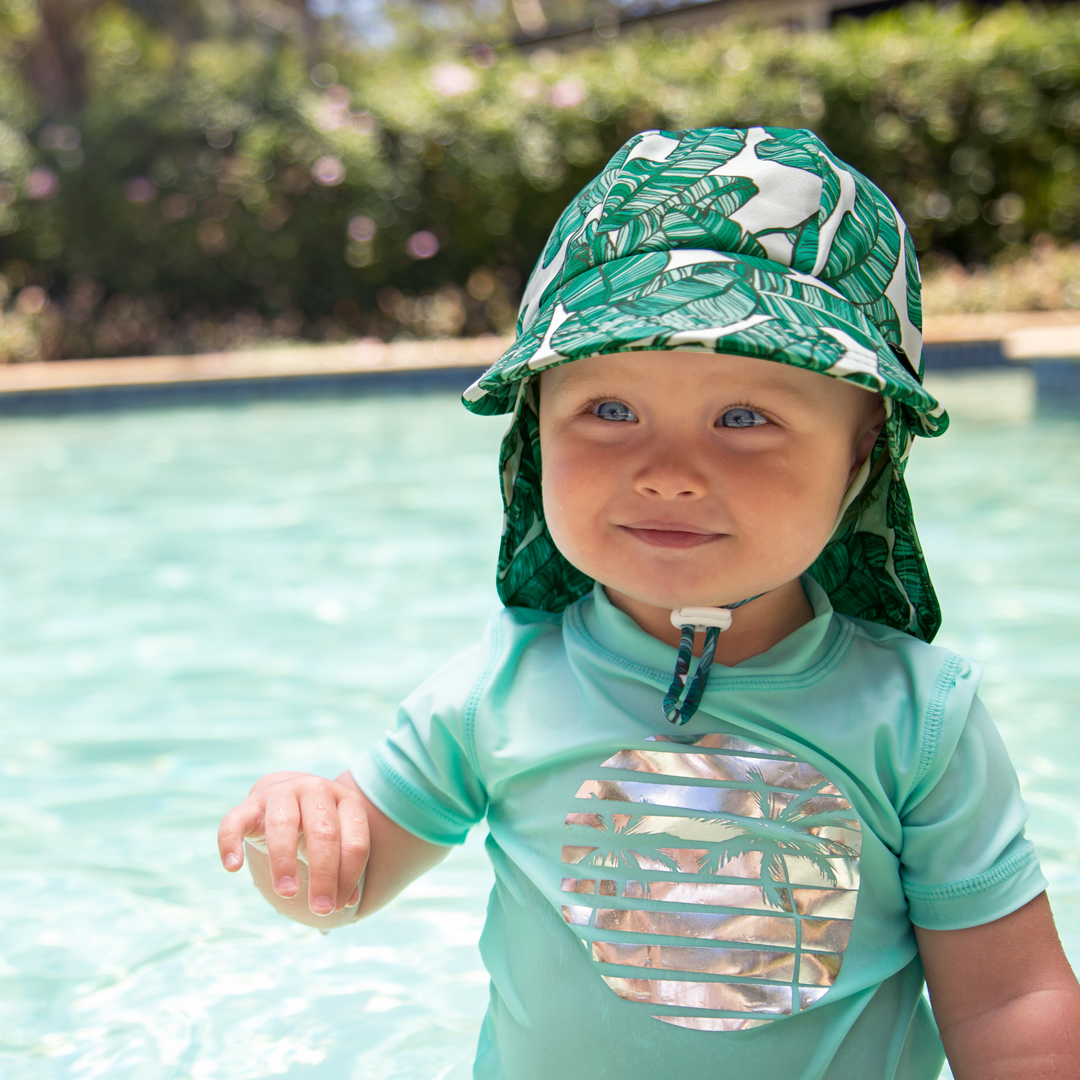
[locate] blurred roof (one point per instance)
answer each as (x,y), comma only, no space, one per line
(798,14)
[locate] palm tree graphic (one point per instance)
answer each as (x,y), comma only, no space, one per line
(616,851)
(777,823)
(782,832)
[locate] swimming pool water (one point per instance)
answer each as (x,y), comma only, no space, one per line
(193,597)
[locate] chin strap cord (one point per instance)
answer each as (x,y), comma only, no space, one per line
(681,702)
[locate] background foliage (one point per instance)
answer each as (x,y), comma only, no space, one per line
(214,186)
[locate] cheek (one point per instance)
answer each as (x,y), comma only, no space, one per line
(563,493)
(575,489)
(795,498)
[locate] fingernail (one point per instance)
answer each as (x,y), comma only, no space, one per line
(286,887)
(232,862)
(354,899)
(322,905)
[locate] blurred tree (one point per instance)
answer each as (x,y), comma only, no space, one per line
(54,56)
(53,35)
(221,175)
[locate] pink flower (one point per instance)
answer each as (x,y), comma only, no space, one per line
(328,171)
(567,93)
(362,228)
(41,184)
(140,190)
(422,245)
(449,80)
(333,110)
(32,300)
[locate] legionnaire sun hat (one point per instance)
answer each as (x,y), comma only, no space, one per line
(755,242)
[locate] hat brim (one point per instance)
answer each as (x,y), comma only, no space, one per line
(713,302)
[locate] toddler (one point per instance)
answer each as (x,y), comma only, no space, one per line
(738,807)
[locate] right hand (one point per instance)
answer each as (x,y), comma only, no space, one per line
(329,813)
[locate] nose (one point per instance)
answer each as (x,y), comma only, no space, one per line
(670,476)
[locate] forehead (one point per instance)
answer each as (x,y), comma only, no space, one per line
(661,373)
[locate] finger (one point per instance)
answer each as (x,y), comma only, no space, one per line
(274,778)
(354,846)
(322,833)
(281,823)
(239,822)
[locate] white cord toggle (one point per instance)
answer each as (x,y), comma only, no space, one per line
(701,618)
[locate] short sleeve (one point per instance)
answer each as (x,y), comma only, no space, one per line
(424,774)
(965,860)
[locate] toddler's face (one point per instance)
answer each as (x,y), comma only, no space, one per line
(688,478)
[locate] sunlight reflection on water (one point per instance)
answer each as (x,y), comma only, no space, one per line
(194,598)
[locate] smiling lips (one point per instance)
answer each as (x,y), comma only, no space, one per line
(671,534)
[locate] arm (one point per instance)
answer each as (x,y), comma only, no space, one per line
(359,859)
(1006,1000)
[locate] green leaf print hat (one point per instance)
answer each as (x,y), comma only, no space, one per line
(756,242)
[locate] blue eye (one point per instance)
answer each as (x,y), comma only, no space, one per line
(742,418)
(613,410)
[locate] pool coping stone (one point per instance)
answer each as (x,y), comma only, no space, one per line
(953,343)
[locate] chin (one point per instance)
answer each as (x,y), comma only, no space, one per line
(675,591)
(681,594)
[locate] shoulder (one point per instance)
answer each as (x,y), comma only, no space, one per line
(931,689)
(921,660)
(525,661)
(513,631)
(512,636)
(519,636)
(525,623)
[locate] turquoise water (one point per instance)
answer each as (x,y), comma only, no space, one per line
(191,598)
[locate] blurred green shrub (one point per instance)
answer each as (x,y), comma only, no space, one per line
(231,189)
(1044,277)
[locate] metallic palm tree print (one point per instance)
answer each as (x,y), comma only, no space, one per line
(713,880)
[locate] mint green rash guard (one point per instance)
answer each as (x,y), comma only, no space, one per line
(730,899)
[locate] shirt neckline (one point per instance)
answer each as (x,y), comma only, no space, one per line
(801,658)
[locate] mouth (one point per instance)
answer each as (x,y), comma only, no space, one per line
(671,534)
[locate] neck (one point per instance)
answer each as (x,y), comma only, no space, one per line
(755,628)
